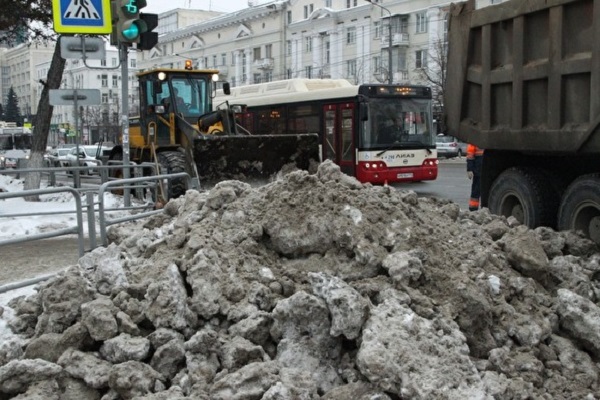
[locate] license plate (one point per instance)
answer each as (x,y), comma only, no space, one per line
(404,176)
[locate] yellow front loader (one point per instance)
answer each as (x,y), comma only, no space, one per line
(178,129)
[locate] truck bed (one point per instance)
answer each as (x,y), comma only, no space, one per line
(525,75)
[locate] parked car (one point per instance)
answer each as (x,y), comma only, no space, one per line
(449,146)
(87,157)
(58,157)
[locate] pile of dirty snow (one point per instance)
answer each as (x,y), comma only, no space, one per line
(314,287)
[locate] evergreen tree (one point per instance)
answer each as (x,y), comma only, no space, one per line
(12,108)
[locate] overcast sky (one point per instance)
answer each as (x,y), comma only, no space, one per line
(158,6)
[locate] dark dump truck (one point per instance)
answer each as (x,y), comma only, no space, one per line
(523,83)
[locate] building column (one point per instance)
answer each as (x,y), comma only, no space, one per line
(238,67)
(317,55)
(336,47)
(296,52)
(249,74)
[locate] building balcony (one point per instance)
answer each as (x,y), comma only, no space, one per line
(264,63)
(398,39)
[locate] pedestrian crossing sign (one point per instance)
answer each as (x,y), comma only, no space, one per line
(82,16)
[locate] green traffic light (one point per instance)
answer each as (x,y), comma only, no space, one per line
(131,33)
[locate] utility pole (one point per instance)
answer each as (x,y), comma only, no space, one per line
(390,73)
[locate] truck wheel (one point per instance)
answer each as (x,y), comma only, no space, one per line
(525,194)
(172,162)
(580,207)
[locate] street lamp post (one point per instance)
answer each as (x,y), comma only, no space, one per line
(390,75)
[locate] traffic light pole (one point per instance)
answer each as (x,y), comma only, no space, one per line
(125,118)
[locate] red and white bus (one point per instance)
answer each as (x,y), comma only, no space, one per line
(377,133)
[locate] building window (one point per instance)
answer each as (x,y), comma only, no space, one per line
(224,59)
(256,52)
(351,3)
(269,51)
(244,71)
(308,72)
(257,78)
(327,52)
(103,62)
(104,79)
(328,3)
(133,63)
(308,9)
(113,61)
(421,59)
(421,23)
(104,98)
(115,81)
(289,47)
(377,29)
(308,44)
(351,35)
(289,17)
(351,68)
(268,76)
(376,64)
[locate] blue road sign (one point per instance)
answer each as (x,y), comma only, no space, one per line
(82,16)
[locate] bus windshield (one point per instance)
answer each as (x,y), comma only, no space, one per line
(398,122)
(23,141)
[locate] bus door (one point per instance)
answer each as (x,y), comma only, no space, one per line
(338,138)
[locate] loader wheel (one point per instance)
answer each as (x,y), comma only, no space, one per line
(525,194)
(172,162)
(580,207)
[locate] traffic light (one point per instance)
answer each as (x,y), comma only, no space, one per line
(128,26)
(148,39)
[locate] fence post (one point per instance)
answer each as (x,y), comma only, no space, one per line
(89,197)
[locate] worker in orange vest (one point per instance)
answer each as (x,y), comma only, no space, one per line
(474,164)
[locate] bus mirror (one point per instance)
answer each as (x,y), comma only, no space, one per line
(226,88)
(364,112)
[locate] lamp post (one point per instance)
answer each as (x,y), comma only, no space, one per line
(390,75)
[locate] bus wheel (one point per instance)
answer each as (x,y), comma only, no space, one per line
(580,207)
(525,194)
(172,162)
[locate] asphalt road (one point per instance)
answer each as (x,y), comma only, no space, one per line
(29,260)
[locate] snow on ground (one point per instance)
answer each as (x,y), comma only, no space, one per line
(61,205)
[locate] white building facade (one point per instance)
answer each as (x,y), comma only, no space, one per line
(96,123)
(18,70)
(284,39)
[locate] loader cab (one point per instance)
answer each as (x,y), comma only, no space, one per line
(186,93)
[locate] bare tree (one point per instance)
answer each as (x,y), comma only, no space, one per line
(433,73)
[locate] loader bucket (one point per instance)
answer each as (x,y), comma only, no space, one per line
(253,156)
